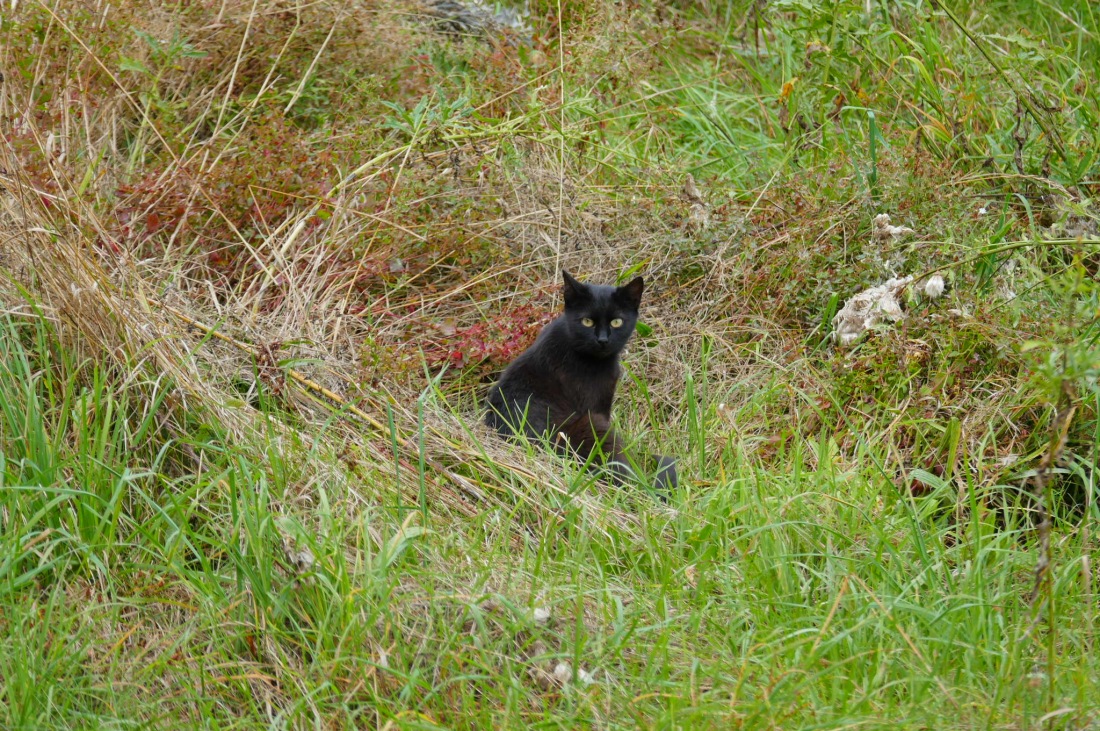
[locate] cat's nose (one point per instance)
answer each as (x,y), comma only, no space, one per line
(601,338)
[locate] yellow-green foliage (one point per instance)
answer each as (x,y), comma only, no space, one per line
(260,259)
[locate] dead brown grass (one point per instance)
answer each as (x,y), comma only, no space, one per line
(343,262)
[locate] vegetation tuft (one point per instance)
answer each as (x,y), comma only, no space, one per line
(260,259)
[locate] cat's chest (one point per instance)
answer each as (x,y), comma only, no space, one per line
(590,389)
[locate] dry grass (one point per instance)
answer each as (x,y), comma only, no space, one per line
(305,236)
(366,268)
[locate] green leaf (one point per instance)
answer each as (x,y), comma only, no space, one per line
(132,64)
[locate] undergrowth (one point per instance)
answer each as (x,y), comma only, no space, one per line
(261,260)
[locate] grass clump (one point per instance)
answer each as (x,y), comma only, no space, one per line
(261,262)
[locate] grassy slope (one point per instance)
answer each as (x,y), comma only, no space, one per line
(190,537)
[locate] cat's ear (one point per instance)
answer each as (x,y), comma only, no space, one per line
(631,292)
(573,291)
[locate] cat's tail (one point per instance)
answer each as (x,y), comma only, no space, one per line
(593,431)
(667,478)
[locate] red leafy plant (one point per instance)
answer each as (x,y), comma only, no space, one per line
(489,344)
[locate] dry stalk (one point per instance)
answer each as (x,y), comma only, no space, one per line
(1058,433)
(1044,583)
(411,448)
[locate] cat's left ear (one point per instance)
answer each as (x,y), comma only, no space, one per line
(631,292)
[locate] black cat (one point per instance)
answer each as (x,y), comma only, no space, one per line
(563,385)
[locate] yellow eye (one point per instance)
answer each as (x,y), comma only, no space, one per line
(587,322)
(617,322)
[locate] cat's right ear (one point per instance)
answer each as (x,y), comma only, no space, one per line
(573,291)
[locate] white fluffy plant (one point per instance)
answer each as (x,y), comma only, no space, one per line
(881,305)
(869,309)
(933,287)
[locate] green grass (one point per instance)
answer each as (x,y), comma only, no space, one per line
(192,536)
(805,591)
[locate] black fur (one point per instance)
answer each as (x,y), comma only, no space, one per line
(563,385)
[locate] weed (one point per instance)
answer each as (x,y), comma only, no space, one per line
(259,261)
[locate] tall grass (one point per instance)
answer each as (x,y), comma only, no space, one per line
(804,589)
(261,262)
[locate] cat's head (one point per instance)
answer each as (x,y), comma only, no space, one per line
(601,319)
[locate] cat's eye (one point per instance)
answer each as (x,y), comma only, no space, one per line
(617,322)
(587,322)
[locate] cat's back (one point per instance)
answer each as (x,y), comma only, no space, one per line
(528,380)
(540,358)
